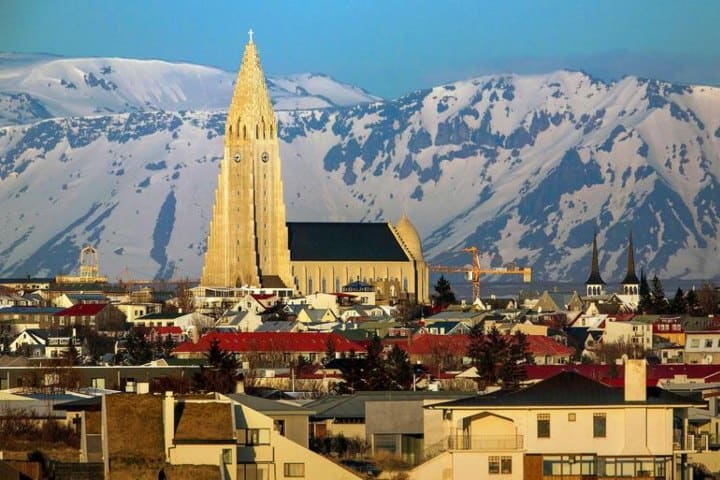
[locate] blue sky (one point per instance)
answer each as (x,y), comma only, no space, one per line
(388,47)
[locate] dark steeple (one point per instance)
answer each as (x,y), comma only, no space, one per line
(630,277)
(595,278)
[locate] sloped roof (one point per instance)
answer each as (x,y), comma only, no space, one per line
(540,345)
(82,309)
(353,406)
(614,375)
(32,310)
(567,389)
(267,406)
(298,342)
(318,241)
(203,421)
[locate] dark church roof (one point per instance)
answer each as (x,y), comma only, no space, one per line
(318,241)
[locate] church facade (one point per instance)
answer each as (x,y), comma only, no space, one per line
(251,246)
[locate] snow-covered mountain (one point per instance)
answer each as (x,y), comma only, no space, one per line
(36,87)
(524,167)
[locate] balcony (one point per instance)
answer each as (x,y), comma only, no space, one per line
(484,443)
(693,442)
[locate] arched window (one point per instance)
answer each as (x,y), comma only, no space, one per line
(309,286)
(323,284)
(271,131)
(257,132)
(230,131)
(244,132)
(405,284)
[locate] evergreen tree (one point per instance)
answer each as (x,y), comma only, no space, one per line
(330,351)
(514,369)
(488,353)
(692,302)
(375,375)
(646,304)
(678,305)
(220,374)
(444,294)
(352,369)
(659,301)
(71,356)
(398,369)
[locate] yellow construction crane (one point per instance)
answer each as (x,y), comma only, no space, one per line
(473,272)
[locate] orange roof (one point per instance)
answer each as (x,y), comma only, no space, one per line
(297,342)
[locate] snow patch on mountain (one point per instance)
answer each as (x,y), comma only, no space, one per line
(524,167)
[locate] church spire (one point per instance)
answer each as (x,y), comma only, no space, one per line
(595,283)
(248,239)
(630,276)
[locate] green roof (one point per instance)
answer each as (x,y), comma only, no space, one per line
(318,241)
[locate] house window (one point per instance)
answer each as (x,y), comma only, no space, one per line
(294,469)
(253,471)
(227,456)
(708,343)
(386,442)
(505,465)
(494,465)
(694,343)
(543,425)
(571,417)
(599,425)
(253,436)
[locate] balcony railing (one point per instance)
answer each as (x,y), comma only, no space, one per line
(485,442)
(693,442)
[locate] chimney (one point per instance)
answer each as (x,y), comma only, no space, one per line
(635,380)
(168,412)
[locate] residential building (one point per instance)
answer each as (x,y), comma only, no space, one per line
(567,426)
(218,437)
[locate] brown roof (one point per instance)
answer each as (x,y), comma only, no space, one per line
(203,421)
(134,427)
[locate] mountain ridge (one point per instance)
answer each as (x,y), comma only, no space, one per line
(532,163)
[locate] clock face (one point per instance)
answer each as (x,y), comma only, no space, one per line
(265,157)
(237,158)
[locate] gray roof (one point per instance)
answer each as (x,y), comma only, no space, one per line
(267,406)
(276,326)
(318,241)
(568,389)
(353,406)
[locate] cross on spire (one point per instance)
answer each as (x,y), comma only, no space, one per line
(250,34)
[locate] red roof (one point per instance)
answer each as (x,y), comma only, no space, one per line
(82,309)
(541,345)
(174,330)
(428,344)
(291,342)
(604,374)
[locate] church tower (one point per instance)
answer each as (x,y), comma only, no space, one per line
(631,284)
(248,239)
(595,286)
